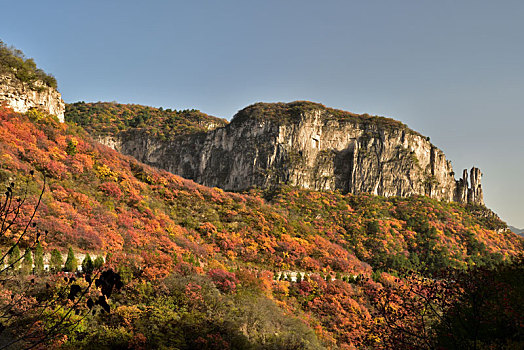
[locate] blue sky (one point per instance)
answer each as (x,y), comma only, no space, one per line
(452,70)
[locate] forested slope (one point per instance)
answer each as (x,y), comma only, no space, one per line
(200,263)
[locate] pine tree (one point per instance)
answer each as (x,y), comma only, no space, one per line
(99,261)
(39,259)
(56,261)
(300,277)
(87,264)
(71,263)
(27,263)
(14,258)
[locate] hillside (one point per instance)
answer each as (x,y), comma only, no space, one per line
(110,118)
(201,247)
(301,144)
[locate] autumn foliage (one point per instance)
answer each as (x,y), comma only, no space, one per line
(191,255)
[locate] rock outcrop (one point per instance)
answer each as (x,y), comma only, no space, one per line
(21,97)
(307,145)
(470,194)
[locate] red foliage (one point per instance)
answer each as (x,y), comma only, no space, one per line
(111,189)
(225,281)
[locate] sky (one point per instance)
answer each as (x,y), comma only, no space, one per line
(452,70)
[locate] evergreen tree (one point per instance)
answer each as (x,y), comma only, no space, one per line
(39,259)
(14,258)
(71,263)
(27,263)
(87,264)
(56,261)
(99,261)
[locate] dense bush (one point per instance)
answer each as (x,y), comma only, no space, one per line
(25,69)
(108,118)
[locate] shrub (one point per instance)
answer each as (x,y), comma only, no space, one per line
(14,61)
(225,281)
(71,263)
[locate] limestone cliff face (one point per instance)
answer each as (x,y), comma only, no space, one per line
(316,148)
(21,97)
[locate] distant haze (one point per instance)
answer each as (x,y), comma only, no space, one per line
(451,70)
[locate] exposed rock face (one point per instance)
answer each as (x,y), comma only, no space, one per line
(314,148)
(21,98)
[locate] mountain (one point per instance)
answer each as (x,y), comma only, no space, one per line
(23,86)
(157,224)
(518,231)
(300,144)
(277,266)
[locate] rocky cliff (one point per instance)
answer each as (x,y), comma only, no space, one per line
(307,145)
(21,96)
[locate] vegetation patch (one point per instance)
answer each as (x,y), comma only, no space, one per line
(111,118)
(13,61)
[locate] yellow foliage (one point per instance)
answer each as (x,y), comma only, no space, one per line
(106,173)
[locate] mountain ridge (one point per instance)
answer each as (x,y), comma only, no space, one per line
(518,231)
(304,144)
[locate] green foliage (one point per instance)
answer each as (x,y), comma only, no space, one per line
(106,118)
(99,261)
(71,263)
(14,258)
(71,147)
(25,69)
(27,263)
(373,227)
(56,261)
(87,264)
(188,312)
(39,259)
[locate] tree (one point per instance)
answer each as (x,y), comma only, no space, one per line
(300,277)
(87,264)
(39,259)
(99,261)
(27,263)
(71,147)
(71,263)
(35,311)
(55,264)
(14,258)
(479,308)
